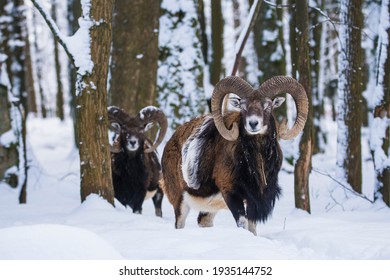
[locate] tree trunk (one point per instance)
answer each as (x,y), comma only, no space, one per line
(349,117)
(16,32)
(303,165)
(318,101)
(293,39)
(74,12)
(216,42)
(203,35)
(237,24)
(134,54)
(38,68)
(30,88)
(271,55)
(8,146)
(92,120)
(382,108)
(60,90)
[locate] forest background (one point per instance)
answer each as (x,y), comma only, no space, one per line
(171,53)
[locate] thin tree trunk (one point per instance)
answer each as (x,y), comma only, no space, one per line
(30,89)
(38,68)
(237,24)
(203,34)
(134,54)
(349,118)
(74,12)
(315,51)
(216,42)
(60,90)
(303,165)
(293,39)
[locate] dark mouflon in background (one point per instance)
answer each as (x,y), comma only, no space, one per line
(232,161)
(136,169)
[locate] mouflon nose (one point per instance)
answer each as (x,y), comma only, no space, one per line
(253,124)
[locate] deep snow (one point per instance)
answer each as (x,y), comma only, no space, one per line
(55,225)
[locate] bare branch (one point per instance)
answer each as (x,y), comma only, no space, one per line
(342,185)
(54,28)
(253,14)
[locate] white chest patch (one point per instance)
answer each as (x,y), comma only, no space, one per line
(207,204)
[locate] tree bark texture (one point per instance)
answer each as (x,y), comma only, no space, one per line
(216,42)
(15,31)
(315,51)
(134,54)
(203,35)
(350,93)
(8,151)
(95,169)
(303,164)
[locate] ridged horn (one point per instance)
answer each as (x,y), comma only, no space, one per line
(283,84)
(116,118)
(231,84)
(153,114)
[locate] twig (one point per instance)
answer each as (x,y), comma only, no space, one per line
(54,29)
(342,185)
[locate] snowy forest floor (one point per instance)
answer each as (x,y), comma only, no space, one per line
(55,225)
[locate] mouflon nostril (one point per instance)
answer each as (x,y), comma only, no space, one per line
(253,124)
(132,143)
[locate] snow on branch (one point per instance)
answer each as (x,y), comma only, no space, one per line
(53,27)
(78,46)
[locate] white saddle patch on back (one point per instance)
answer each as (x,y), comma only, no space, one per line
(190,156)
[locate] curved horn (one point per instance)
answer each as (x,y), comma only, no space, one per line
(231,84)
(153,114)
(283,84)
(116,117)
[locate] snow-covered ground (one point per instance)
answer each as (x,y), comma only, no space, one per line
(55,225)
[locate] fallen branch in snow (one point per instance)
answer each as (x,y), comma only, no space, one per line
(54,28)
(342,185)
